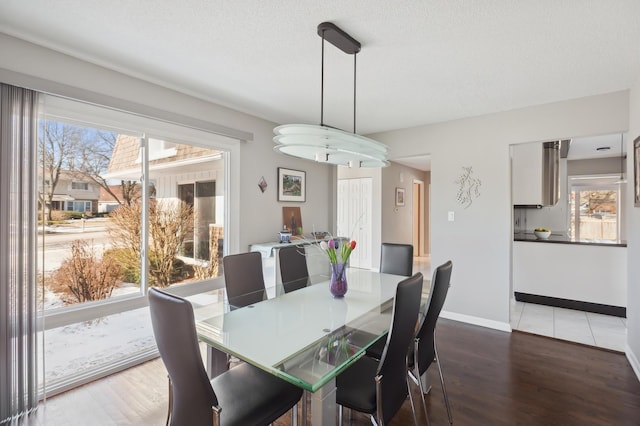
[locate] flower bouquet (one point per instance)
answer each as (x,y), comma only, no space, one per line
(338,257)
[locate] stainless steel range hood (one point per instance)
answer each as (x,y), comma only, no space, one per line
(550,173)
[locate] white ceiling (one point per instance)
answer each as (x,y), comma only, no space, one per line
(422,61)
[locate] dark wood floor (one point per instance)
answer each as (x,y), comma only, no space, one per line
(493,378)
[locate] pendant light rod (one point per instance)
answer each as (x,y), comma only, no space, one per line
(322,84)
(349,45)
(354,92)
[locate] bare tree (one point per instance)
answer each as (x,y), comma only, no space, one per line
(95,158)
(58,150)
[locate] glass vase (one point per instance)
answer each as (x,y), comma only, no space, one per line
(338,285)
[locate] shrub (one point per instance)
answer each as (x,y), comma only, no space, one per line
(129,264)
(83,276)
(168,226)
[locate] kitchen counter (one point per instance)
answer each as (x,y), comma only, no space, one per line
(563,239)
(591,275)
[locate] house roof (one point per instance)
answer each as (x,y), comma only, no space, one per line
(125,157)
(422,61)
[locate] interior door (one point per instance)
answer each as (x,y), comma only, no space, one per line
(354,217)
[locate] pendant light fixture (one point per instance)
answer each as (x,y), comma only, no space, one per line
(326,144)
(622,179)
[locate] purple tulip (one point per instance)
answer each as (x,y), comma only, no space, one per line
(331,244)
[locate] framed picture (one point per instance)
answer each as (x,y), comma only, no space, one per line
(399,196)
(636,172)
(291,185)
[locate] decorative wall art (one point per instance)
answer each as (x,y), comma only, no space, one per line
(400,197)
(291,185)
(262,184)
(292,220)
(468,187)
(636,172)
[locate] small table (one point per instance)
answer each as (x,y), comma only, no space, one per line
(306,336)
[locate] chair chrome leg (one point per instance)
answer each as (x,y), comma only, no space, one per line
(294,415)
(170,401)
(413,407)
(305,394)
(444,389)
(340,415)
(414,375)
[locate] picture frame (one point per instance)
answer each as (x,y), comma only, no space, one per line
(291,185)
(400,197)
(636,172)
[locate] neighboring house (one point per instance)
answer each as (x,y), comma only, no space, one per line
(75,192)
(107,202)
(179,172)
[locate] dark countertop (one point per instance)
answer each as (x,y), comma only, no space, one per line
(563,239)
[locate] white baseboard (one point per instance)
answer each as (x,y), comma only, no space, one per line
(633,360)
(482,322)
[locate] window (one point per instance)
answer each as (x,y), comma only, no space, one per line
(107,251)
(594,208)
(80,185)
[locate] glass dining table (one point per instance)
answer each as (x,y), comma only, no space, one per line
(305,337)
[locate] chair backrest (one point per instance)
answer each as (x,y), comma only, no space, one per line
(293,268)
(175,333)
(393,363)
(243,279)
(437,295)
(396,259)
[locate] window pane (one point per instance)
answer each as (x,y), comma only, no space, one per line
(186,220)
(78,260)
(594,213)
(75,351)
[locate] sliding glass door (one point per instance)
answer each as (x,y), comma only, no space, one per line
(125,204)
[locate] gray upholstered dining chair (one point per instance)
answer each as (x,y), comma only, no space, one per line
(396,259)
(423,352)
(293,268)
(244,395)
(243,279)
(380,387)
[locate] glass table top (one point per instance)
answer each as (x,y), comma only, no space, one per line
(305,336)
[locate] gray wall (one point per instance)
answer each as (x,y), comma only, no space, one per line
(479,240)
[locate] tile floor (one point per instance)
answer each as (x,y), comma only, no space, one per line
(567,324)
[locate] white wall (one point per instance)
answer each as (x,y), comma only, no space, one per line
(633,238)
(258,216)
(479,240)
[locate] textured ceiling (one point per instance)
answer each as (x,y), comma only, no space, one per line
(422,61)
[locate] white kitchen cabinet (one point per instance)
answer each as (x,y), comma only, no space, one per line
(526,174)
(581,272)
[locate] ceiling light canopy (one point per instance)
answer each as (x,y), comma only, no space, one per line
(326,144)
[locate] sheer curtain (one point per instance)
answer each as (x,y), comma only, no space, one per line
(18,291)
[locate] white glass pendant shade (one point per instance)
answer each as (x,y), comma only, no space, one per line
(330,145)
(327,144)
